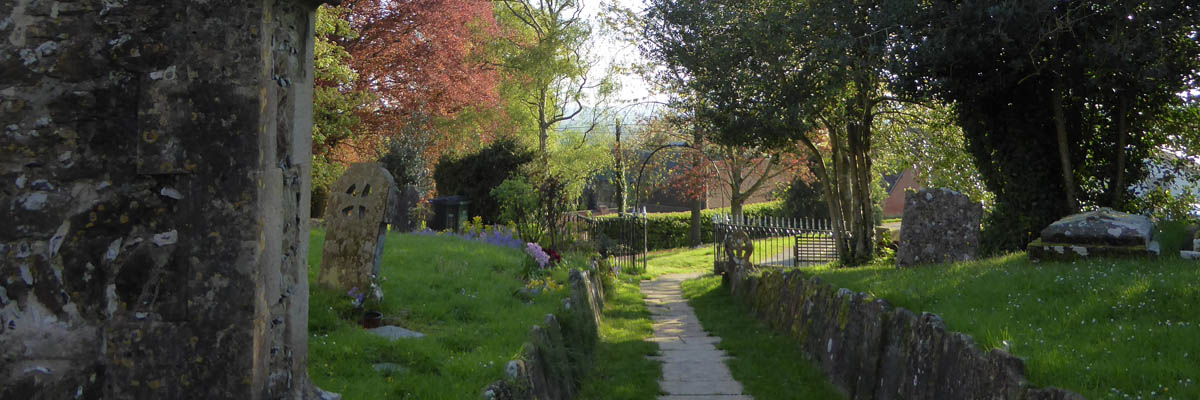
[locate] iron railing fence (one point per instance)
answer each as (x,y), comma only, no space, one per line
(620,239)
(778,242)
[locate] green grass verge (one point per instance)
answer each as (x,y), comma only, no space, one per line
(621,369)
(1103,328)
(458,292)
(769,365)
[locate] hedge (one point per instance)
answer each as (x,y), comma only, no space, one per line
(671,230)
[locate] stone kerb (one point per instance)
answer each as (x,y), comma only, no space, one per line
(871,350)
(939,226)
(356,220)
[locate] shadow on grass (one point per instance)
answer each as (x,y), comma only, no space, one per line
(769,365)
(621,369)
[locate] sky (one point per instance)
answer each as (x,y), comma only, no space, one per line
(609,50)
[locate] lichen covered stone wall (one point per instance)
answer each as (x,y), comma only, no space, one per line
(872,350)
(559,351)
(154,164)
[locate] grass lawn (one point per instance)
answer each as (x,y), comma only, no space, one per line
(621,369)
(1103,328)
(769,366)
(678,261)
(457,292)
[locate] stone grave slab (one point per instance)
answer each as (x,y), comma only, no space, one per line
(939,226)
(395,333)
(1100,233)
(356,227)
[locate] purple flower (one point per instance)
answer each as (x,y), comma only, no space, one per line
(357,296)
(535,251)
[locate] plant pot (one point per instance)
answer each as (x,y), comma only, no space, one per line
(372,319)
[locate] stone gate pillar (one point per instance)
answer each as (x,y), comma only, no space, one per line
(154,184)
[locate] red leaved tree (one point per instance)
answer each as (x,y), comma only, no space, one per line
(427,63)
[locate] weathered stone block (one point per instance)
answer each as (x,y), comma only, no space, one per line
(154,176)
(939,226)
(356,228)
(403,219)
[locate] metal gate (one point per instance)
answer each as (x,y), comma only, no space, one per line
(778,242)
(620,239)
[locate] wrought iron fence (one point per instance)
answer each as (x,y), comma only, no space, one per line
(778,242)
(620,239)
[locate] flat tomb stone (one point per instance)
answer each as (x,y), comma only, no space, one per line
(1101,227)
(395,333)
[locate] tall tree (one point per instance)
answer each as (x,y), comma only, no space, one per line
(429,63)
(1055,97)
(773,72)
(336,101)
(547,56)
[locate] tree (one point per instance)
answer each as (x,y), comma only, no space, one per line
(776,72)
(928,140)
(547,58)
(1055,97)
(336,101)
(428,62)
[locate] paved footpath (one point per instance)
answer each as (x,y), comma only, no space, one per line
(693,367)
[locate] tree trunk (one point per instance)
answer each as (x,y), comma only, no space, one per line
(697,201)
(1118,186)
(694,234)
(1064,152)
(620,172)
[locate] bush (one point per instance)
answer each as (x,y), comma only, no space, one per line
(475,175)
(670,230)
(805,200)
(404,160)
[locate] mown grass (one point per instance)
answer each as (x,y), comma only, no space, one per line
(769,365)
(457,292)
(1103,328)
(621,369)
(678,261)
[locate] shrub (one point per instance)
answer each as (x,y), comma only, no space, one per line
(670,230)
(474,176)
(404,160)
(805,200)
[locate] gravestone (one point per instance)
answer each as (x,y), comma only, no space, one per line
(154,176)
(738,249)
(356,227)
(1099,233)
(939,226)
(403,219)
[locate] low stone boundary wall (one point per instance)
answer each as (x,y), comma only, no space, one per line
(559,351)
(872,350)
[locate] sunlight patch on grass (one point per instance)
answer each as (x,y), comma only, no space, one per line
(457,292)
(621,369)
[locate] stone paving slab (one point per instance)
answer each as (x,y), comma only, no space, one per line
(693,367)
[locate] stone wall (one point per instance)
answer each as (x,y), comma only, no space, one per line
(559,351)
(154,182)
(871,350)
